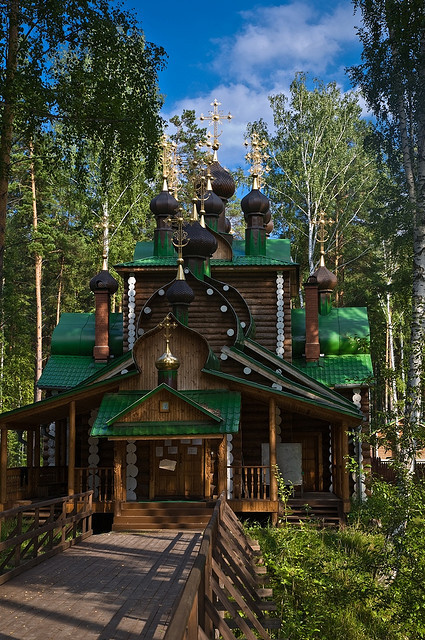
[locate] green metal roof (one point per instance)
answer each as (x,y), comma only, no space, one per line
(65,372)
(75,334)
(337,408)
(348,370)
(221,407)
(304,390)
(278,254)
(342,331)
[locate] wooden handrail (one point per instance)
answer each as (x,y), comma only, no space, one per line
(224,577)
(34,532)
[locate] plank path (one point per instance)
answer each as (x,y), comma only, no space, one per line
(112,586)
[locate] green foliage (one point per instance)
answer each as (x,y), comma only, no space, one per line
(357,583)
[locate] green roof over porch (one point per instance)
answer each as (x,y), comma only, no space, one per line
(221,406)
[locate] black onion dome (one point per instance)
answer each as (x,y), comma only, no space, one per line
(104,281)
(164,204)
(213,204)
(255,202)
(326,280)
(180,292)
(201,242)
(227,225)
(267,217)
(223,184)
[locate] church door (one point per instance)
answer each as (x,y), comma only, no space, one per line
(179,468)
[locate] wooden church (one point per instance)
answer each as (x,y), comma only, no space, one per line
(208,381)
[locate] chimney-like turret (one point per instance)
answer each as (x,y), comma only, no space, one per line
(103,286)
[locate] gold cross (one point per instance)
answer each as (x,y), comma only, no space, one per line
(167,325)
(180,240)
(216,119)
(257,157)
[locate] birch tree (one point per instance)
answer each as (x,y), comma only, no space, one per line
(392,79)
(319,162)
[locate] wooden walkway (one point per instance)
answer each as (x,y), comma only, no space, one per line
(112,586)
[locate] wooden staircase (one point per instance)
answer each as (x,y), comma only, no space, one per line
(324,511)
(141,516)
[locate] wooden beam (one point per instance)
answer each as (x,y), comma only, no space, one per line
(272,443)
(119,466)
(222,466)
(71,449)
(345,479)
(3,469)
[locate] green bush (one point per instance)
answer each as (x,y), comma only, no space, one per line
(362,582)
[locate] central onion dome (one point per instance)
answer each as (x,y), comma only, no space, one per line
(201,244)
(223,184)
(213,204)
(103,281)
(255,202)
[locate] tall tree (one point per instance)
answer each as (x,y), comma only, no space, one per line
(84,62)
(319,163)
(392,79)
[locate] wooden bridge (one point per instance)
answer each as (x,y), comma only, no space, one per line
(155,584)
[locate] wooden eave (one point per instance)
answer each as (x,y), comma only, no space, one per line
(293,404)
(57,407)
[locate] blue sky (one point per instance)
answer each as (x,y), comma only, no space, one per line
(240,52)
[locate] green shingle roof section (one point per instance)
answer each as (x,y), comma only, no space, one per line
(75,334)
(65,372)
(221,406)
(345,370)
(278,254)
(343,331)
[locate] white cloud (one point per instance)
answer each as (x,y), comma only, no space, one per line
(278,40)
(273,43)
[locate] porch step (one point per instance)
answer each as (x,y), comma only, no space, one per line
(140,516)
(323,511)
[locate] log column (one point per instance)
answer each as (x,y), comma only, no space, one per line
(30,461)
(3,469)
(273,456)
(345,478)
(71,450)
(119,466)
(222,466)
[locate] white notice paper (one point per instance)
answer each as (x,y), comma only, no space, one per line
(192,451)
(169,465)
(159,452)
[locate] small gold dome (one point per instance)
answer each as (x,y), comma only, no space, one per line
(167,362)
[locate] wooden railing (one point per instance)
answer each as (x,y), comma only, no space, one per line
(35,532)
(100,480)
(224,588)
(250,482)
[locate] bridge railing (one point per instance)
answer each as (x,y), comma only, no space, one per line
(37,531)
(224,588)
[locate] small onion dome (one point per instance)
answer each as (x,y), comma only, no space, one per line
(201,242)
(104,281)
(164,204)
(223,184)
(326,280)
(227,225)
(213,205)
(167,362)
(180,292)
(267,217)
(255,202)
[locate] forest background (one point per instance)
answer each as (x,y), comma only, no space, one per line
(80,146)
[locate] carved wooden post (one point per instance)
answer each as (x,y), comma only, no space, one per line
(3,469)
(273,456)
(30,461)
(119,465)
(222,466)
(345,478)
(71,450)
